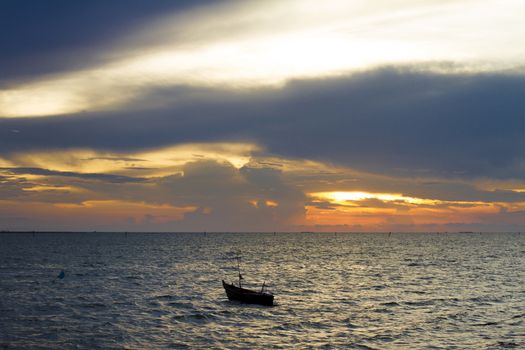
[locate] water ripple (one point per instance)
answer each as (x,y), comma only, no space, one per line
(358,291)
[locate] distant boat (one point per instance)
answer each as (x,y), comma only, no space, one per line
(247,296)
(244,295)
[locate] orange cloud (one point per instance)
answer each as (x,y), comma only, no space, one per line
(379,211)
(229,186)
(91,215)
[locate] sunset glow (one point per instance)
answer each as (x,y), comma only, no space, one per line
(272,115)
(345,198)
(359,164)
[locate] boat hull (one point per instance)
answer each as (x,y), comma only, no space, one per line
(247,296)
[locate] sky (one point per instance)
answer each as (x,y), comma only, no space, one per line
(295,115)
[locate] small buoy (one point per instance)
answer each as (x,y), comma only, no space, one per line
(61,275)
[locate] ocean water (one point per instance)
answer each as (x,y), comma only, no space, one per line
(355,291)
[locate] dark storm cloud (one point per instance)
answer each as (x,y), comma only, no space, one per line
(391,121)
(227,192)
(87,176)
(47,36)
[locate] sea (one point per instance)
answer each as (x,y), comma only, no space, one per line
(332,290)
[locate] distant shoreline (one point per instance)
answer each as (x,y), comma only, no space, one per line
(253,232)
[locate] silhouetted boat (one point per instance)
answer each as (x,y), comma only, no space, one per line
(246,295)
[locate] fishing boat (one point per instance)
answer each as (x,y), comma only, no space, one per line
(247,296)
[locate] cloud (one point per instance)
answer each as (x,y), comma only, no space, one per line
(234,199)
(40,38)
(205,49)
(89,176)
(399,121)
(232,115)
(223,198)
(265,194)
(210,196)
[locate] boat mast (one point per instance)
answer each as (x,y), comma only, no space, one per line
(239,270)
